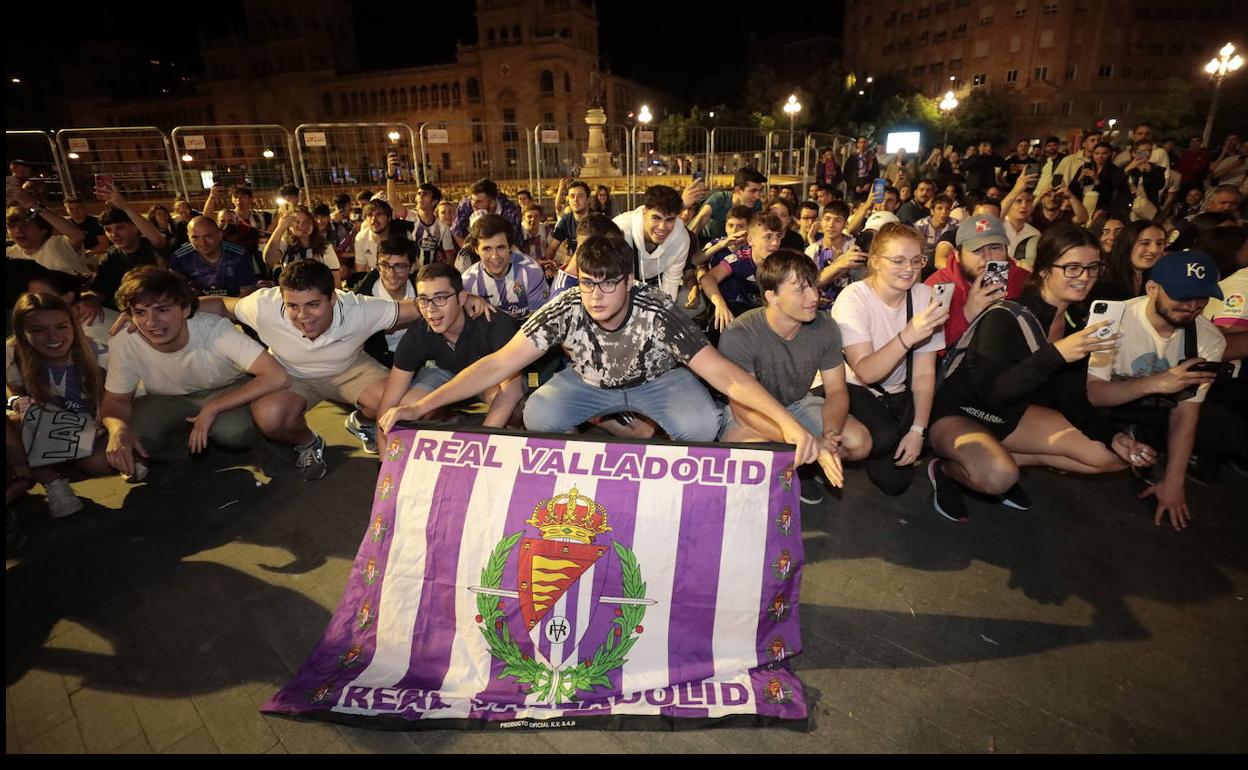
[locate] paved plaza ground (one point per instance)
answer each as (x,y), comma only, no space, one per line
(163,616)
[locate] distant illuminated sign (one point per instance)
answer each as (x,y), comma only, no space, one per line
(194,143)
(438,136)
(315,139)
(550,136)
(902,140)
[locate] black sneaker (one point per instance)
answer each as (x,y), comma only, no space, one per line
(1204,470)
(364,430)
(1016,498)
(947,497)
(311,461)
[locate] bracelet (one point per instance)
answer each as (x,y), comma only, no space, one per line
(903,342)
(919,429)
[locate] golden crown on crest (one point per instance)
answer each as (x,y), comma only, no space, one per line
(570,517)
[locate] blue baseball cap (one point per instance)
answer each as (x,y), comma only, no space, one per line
(1186,275)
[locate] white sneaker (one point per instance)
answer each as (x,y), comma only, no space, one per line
(62,501)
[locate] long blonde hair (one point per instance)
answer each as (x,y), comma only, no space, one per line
(30,364)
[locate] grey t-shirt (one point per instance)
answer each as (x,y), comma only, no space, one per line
(786,368)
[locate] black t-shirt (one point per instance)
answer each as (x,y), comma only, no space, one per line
(980,171)
(92,232)
(478,339)
(792,240)
(1014,168)
(114,266)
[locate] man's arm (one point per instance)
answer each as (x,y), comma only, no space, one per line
(709,283)
(222,306)
(115,412)
(509,360)
(1117,392)
(1170,493)
(505,401)
(859,216)
(835,401)
(699,221)
(60,224)
(737,385)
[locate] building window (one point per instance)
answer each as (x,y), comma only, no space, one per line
(510,134)
(1106,71)
(924,12)
(474,91)
(424,97)
(1041,73)
(489,38)
(515,33)
(1037,108)
(1068,108)
(1071,71)
(455,93)
(478,133)
(546,83)
(979,80)
(959,31)
(919,70)
(502,35)
(549,118)
(1050,7)
(327,102)
(567,83)
(1011,76)
(985,18)
(446,161)
(955,64)
(446,96)
(1020,9)
(940,36)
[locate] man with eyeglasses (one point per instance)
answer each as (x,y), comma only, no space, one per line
(980,239)
(444,342)
(394,279)
(630,349)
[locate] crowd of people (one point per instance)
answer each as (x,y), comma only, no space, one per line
(1083,312)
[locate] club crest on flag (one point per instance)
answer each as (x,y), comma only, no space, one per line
(787,479)
(371,573)
(323,694)
(779,609)
(365,615)
(778,650)
(782,567)
(564,560)
(386,488)
(378,529)
(395,449)
(785,520)
(351,657)
(777,693)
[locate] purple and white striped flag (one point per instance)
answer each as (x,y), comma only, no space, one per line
(517,580)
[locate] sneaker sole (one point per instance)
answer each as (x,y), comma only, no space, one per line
(1015,506)
(361,435)
(810,500)
(931,477)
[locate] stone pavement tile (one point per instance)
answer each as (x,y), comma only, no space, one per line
(296,735)
(233,721)
(277,749)
(900,722)
(709,741)
(136,745)
(198,742)
(482,741)
(105,719)
(10,727)
(166,720)
(364,741)
(39,703)
(62,739)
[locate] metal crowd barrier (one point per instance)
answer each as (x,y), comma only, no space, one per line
(351,157)
(260,156)
(453,155)
(39,150)
(138,158)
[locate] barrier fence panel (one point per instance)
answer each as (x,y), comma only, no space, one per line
(337,158)
(733,148)
(138,158)
(39,150)
(567,151)
(668,155)
(260,156)
(785,153)
(816,144)
(455,155)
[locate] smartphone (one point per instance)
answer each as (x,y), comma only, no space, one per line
(877,190)
(1057,180)
(942,294)
(698,176)
(11,186)
(1142,155)
(105,180)
(1222,369)
(1106,310)
(863,241)
(996,272)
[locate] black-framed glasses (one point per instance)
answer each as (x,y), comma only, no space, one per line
(395,267)
(1075,269)
(608,286)
(437,300)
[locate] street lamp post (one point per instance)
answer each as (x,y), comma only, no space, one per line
(947,105)
(1226,63)
(791,108)
(644,117)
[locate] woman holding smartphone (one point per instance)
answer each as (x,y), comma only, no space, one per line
(1015,391)
(891,331)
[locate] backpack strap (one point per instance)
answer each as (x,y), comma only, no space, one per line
(909,353)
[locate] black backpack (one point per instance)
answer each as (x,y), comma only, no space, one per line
(1028,324)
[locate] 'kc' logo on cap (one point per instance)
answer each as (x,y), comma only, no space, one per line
(1196,269)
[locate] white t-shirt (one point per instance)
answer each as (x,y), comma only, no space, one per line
(1017,237)
(366,243)
(356,318)
(214,356)
(863,317)
(330,257)
(56,253)
(1142,351)
(1233,310)
(379,290)
(98,330)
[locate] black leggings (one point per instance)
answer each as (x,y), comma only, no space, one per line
(887,419)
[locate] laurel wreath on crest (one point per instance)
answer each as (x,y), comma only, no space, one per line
(540,677)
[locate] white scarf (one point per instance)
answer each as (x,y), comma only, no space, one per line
(667,261)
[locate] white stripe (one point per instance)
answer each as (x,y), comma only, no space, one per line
(659,505)
(742,559)
(469,670)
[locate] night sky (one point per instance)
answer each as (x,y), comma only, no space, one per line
(711,59)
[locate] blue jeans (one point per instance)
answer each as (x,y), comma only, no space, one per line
(676,401)
(808,411)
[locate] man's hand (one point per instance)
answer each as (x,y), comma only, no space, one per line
(392,163)
(851,258)
(113,197)
(122,446)
(397,414)
(693,193)
(723,316)
(830,462)
(1132,452)
(476,306)
(1180,377)
(807,446)
(1172,500)
(88,309)
(124,321)
(908,449)
(981,296)
(200,425)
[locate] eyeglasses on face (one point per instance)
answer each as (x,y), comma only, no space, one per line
(1074,269)
(437,300)
(395,267)
(608,286)
(899,263)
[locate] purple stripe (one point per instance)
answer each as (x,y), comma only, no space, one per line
(777,541)
(433,634)
(791,688)
(696,583)
(342,633)
(528,490)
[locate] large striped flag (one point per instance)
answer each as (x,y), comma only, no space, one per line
(513,580)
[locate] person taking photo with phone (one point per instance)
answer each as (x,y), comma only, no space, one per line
(1015,388)
(1157,379)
